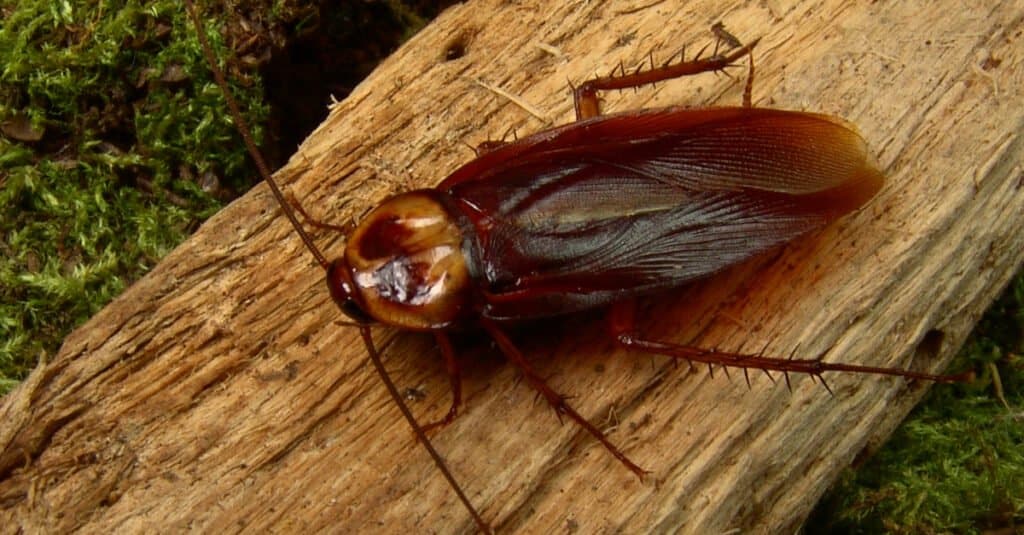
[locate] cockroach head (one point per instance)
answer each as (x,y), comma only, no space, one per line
(404,264)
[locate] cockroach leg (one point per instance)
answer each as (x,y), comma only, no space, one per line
(700,52)
(378,364)
(585,95)
(488,146)
(556,400)
(748,90)
(492,144)
(452,365)
(621,321)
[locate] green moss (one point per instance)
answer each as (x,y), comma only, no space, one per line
(116,145)
(109,115)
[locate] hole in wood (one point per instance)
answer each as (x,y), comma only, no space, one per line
(929,346)
(455,49)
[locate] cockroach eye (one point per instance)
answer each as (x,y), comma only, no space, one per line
(341,291)
(355,313)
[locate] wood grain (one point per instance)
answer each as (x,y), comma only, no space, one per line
(219,394)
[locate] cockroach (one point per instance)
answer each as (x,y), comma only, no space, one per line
(595,213)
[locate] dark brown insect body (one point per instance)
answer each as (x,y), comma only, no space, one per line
(597,211)
(594,214)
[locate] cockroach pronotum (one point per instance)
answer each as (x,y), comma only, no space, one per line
(594,213)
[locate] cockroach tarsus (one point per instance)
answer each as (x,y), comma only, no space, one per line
(595,213)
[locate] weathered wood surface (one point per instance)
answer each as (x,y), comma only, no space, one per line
(218,393)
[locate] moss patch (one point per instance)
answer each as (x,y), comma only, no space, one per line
(114,148)
(114,143)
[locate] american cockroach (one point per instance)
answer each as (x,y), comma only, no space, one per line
(595,213)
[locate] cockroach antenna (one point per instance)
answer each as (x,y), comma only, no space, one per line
(364,329)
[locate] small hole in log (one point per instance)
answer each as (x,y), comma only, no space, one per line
(455,49)
(929,346)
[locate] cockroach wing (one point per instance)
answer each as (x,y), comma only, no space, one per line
(624,205)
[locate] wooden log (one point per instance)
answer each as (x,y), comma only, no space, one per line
(219,393)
